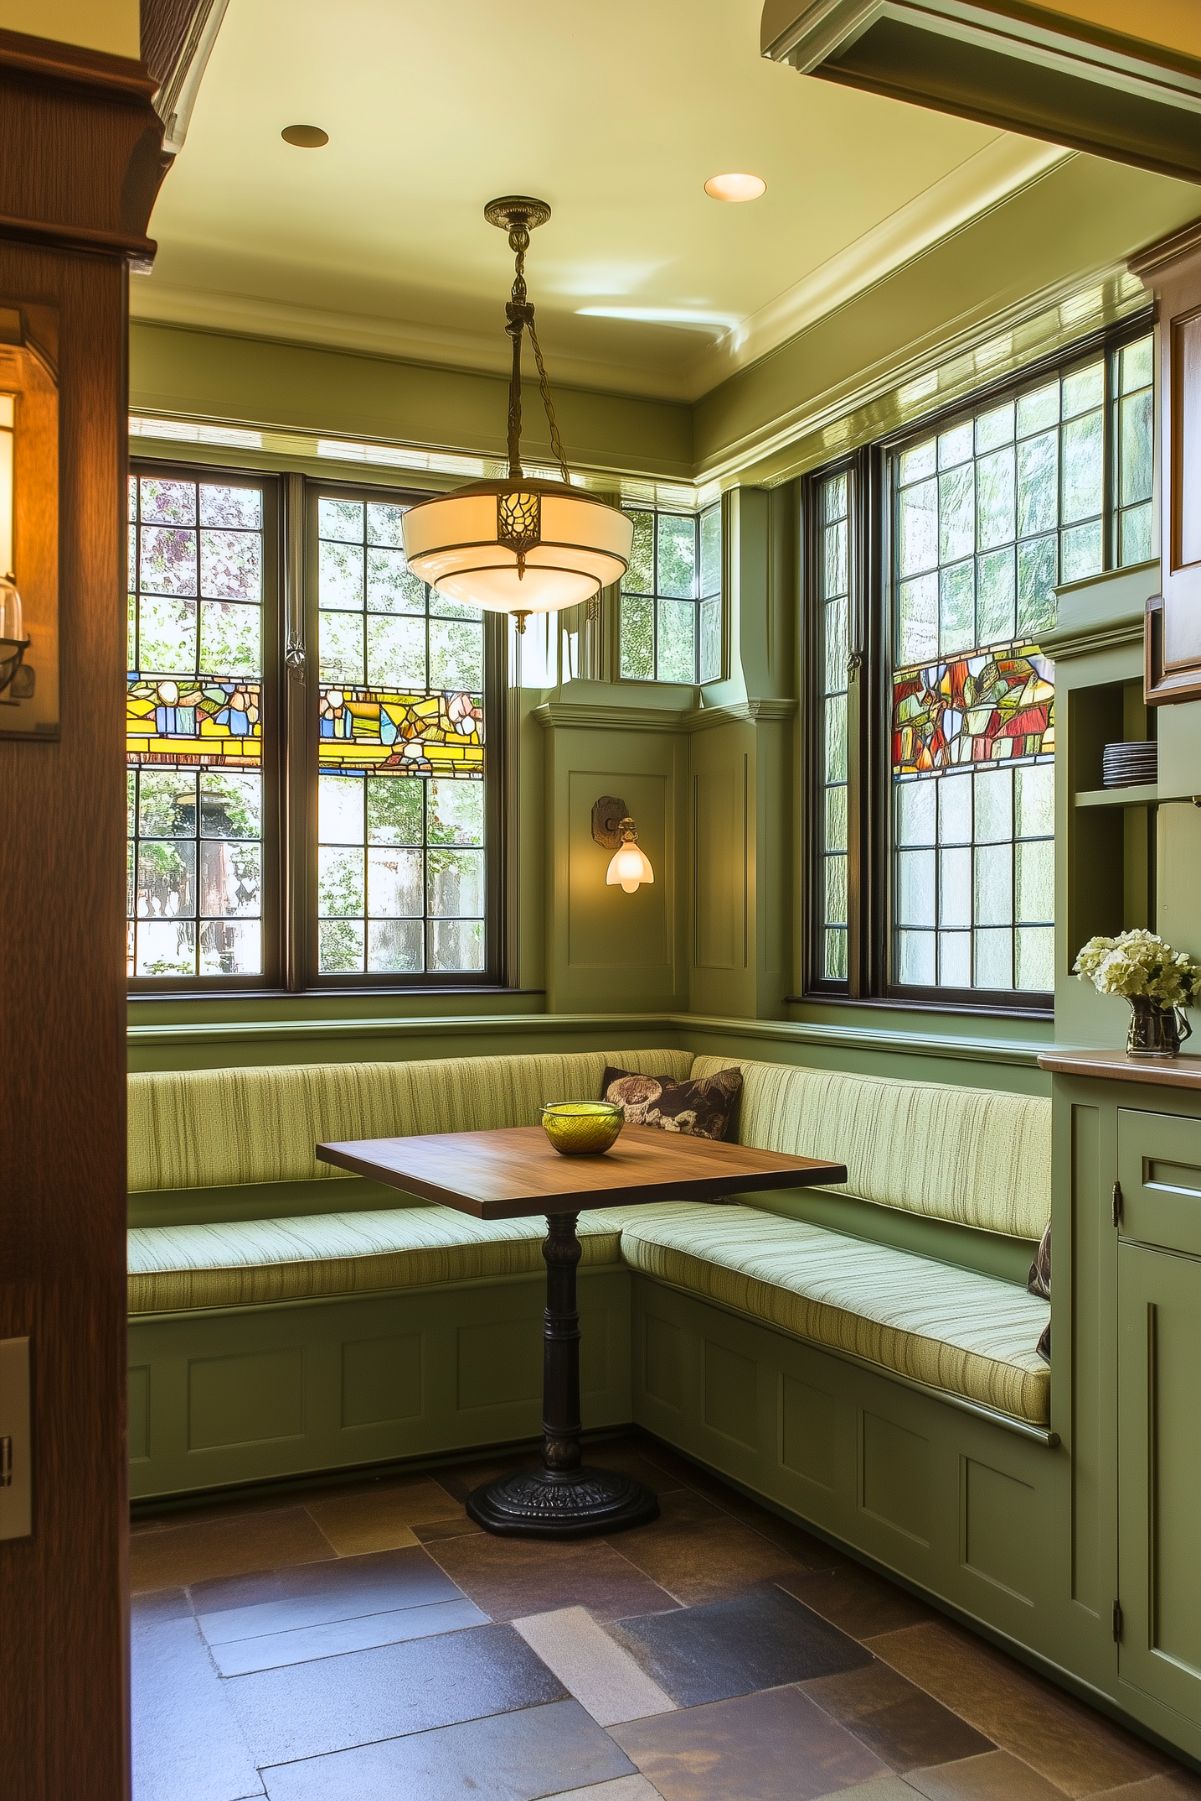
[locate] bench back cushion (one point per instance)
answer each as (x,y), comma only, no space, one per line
(972,1156)
(218,1128)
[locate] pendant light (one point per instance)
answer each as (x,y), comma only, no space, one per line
(519,545)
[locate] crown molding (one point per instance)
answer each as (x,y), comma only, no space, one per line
(997,172)
(620,715)
(1166,254)
(736,712)
(154,302)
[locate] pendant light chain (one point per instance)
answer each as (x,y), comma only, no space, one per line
(556,442)
(521,318)
(520,543)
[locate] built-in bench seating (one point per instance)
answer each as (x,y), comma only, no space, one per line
(269,1292)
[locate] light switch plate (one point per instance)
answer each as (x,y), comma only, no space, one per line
(16,1461)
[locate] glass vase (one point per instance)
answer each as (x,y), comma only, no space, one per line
(1155,1030)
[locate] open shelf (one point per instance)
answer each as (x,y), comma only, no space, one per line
(1144,794)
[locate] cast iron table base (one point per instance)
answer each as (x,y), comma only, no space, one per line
(563,1499)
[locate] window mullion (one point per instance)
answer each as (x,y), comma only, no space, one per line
(298,623)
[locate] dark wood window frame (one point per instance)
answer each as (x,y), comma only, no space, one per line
(869,784)
(290,684)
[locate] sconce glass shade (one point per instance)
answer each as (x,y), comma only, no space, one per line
(518,545)
(11,612)
(629,868)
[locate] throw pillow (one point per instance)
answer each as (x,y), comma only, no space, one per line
(1039,1282)
(704,1108)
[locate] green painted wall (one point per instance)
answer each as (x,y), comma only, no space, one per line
(180,372)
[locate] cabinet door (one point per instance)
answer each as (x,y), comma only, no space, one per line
(1159,1474)
(1159,1167)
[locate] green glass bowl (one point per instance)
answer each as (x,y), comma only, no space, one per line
(580,1128)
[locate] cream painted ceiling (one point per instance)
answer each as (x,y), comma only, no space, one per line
(615,111)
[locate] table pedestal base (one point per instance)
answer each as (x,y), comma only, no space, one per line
(572,1504)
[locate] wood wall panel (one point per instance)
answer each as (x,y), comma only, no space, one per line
(76,182)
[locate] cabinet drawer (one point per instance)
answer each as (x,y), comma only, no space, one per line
(1159,1168)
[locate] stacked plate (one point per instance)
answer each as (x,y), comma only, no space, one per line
(1129,765)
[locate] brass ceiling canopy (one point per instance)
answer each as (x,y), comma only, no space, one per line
(520,545)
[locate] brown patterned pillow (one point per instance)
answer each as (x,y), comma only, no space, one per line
(1039,1282)
(706,1107)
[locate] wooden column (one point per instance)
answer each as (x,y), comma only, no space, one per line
(80,158)
(1172,271)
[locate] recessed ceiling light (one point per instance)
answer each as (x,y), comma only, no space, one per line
(305,137)
(735,187)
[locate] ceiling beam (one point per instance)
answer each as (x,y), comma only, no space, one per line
(1025,68)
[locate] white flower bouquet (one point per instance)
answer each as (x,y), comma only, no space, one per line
(1158,982)
(1140,964)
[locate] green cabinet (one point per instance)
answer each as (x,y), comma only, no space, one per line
(1126,1380)
(1159,1472)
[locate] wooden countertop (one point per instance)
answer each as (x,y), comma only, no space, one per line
(1115,1066)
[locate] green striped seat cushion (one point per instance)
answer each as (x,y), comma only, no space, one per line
(219,1128)
(252,1262)
(947,1328)
(969,1155)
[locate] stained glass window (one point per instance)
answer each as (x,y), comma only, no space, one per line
(981,517)
(194,727)
(671,597)
(401,875)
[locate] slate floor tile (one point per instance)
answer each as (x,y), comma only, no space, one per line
(160,1604)
(197,1550)
(698,1553)
(305,1643)
(996,1776)
(857,1601)
(340,1588)
(512,1757)
(877,1788)
(592,1666)
(777,1746)
(452,1527)
(309,1709)
(756,1641)
(511,1577)
(1077,1750)
(383,1515)
(623,1788)
(1179,1785)
(901,1723)
(186,1739)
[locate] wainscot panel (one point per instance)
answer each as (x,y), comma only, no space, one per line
(330,1384)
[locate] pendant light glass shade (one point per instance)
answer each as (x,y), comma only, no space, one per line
(517,546)
(629,865)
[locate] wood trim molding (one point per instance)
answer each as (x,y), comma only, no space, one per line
(46,61)
(1008,63)
(82,148)
(618,716)
(702,719)
(177,41)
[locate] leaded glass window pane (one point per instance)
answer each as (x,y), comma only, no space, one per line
(989,515)
(401,867)
(833,589)
(194,728)
(670,614)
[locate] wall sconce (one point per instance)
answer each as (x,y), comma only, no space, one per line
(613,829)
(28,522)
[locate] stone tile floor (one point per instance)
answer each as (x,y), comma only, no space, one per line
(366,1642)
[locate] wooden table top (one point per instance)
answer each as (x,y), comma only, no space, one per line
(514,1171)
